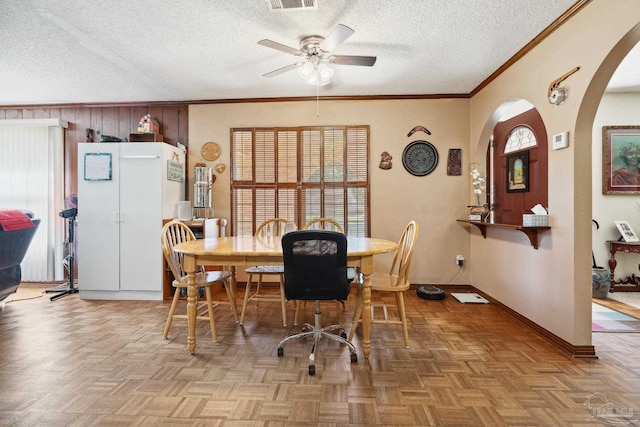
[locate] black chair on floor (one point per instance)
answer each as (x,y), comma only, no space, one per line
(17,228)
(315,269)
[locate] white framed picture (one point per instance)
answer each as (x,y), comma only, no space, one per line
(627,233)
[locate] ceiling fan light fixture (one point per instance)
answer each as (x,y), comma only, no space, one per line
(325,72)
(315,67)
(313,79)
(316,75)
(306,71)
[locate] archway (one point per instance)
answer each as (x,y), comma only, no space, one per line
(508,207)
(562,266)
(585,143)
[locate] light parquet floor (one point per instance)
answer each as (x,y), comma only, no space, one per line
(74,362)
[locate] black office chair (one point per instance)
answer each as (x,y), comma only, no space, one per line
(315,269)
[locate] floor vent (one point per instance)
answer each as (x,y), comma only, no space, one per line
(277,5)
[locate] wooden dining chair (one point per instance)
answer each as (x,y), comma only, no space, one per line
(275,227)
(395,281)
(173,233)
(328,224)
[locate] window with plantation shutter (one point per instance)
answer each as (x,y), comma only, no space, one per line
(300,174)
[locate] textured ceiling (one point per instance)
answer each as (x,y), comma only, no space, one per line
(88,51)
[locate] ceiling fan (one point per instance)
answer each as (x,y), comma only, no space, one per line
(315,52)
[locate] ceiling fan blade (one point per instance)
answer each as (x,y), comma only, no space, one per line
(366,61)
(282,70)
(336,38)
(280,47)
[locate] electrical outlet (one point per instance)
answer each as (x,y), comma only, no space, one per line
(459,260)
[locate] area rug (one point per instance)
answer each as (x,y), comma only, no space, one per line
(607,320)
(629,298)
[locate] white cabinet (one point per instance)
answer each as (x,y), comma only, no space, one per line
(124,192)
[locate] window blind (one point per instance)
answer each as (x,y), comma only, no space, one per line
(300,174)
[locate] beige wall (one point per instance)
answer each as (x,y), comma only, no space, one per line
(616,109)
(552,285)
(397,197)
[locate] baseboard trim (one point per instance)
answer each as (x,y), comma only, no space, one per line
(576,351)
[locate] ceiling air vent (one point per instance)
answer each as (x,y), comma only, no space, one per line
(276,5)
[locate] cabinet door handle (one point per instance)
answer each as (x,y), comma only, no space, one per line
(116,217)
(140,157)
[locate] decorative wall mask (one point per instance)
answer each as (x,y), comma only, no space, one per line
(454,162)
(385,160)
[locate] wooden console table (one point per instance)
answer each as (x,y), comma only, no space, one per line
(531,232)
(630,283)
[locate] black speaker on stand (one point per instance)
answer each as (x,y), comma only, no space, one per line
(68,262)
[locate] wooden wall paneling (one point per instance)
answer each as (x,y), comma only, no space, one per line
(183,137)
(169,125)
(183,124)
(70,151)
(14,114)
(156,114)
(110,122)
(43,113)
(135,114)
(82,123)
(95,115)
(113,120)
(124,122)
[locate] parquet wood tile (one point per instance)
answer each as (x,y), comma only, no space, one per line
(104,363)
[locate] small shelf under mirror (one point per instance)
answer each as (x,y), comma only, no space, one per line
(531,232)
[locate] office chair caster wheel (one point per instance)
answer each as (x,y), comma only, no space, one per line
(354,357)
(280,351)
(312,369)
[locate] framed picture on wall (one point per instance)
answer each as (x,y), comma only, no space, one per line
(621,159)
(625,230)
(518,172)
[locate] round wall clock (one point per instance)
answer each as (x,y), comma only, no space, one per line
(210,151)
(420,158)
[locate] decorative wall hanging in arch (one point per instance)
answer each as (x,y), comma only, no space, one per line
(420,158)
(557,94)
